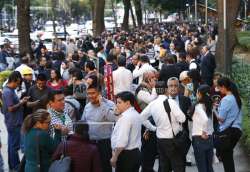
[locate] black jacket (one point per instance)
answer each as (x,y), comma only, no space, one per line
(167,71)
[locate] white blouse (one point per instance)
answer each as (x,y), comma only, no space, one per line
(201,122)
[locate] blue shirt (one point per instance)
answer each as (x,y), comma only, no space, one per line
(97,116)
(230,113)
(12,119)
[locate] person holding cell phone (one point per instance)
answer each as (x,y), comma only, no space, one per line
(13,113)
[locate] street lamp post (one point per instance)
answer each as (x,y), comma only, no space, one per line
(188,11)
(226,64)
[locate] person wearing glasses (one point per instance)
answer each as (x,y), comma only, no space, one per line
(37,141)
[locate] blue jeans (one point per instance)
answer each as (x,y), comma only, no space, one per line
(203,153)
(14,136)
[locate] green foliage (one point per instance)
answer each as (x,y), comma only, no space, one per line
(246,126)
(241,76)
(167,5)
(80,8)
(3,76)
(243,39)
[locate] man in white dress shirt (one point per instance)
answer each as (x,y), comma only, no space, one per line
(142,67)
(126,136)
(170,156)
(122,77)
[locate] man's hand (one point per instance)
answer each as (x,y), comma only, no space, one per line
(24,100)
(113,161)
(146,135)
(32,104)
(62,128)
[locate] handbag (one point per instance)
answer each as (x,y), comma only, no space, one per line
(63,164)
(181,140)
(222,139)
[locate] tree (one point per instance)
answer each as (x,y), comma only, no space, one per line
(125,24)
(53,4)
(138,11)
(231,15)
(132,15)
(23,25)
(98,17)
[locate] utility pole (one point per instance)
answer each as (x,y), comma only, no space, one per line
(206,12)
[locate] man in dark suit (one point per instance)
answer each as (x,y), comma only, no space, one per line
(208,66)
(183,102)
(169,69)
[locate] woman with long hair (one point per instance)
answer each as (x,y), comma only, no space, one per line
(56,81)
(203,129)
(37,142)
(230,120)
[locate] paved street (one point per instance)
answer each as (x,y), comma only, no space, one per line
(241,161)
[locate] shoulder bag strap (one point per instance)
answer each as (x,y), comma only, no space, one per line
(38,152)
(168,110)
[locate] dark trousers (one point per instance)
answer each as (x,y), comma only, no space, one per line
(14,136)
(128,161)
(227,154)
(104,148)
(170,157)
(203,153)
(149,152)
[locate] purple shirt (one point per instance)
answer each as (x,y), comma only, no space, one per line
(12,119)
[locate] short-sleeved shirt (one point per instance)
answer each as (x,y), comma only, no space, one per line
(10,98)
(230,113)
(37,94)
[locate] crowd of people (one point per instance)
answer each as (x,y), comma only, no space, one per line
(121,101)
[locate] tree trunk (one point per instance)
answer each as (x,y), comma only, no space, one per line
(98,17)
(138,12)
(224,65)
(132,15)
(114,14)
(127,4)
(23,25)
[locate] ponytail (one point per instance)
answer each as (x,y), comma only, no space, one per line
(28,123)
(204,90)
(235,92)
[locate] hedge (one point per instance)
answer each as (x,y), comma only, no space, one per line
(243,39)
(241,76)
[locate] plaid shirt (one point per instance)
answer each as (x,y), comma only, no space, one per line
(59,118)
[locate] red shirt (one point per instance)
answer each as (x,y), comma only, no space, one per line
(61,85)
